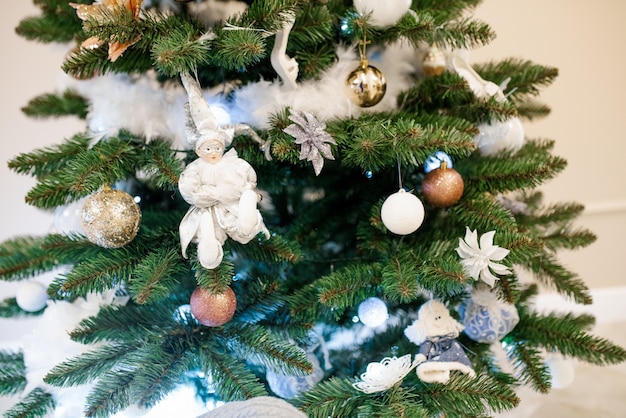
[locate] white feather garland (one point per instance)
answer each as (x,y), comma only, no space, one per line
(141,105)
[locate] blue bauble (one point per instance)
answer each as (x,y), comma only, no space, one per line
(486,318)
(288,387)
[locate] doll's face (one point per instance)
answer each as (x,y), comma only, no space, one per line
(210,151)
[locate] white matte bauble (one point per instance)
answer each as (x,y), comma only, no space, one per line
(561,371)
(498,136)
(31,296)
(373,312)
(67,218)
(402,212)
(383,12)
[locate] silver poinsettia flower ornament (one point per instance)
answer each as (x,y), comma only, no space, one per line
(314,141)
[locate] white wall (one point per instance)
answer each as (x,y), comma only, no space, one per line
(584,39)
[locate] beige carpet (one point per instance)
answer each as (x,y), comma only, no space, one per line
(595,392)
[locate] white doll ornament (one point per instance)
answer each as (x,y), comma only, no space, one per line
(219,185)
(435,331)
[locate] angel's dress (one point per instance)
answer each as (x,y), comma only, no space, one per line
(442,356)
(223,204)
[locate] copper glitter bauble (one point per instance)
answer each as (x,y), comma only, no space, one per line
(443,186)
(110,218)
(434,62)
(213,309)
(366,86)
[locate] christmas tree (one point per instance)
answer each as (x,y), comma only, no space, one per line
(313,208)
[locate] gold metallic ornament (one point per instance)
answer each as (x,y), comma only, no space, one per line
(366,85)
(110,218)
(434,62)
(443,187)
(213,309)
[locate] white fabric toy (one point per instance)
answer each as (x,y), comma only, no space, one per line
(435,331)
(219,186)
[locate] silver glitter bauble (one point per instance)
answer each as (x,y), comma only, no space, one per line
(110,218)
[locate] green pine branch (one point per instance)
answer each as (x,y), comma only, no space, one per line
(443,275)
(528,168)
(57,23)
(568,238)
(36,404)
(47,160)
(349,286)
(365,142)
(447,9)
(258,345)
(531,110)
(95,275)
(155,277)
(176,46)
(529,365)
(109,395)
(563,333)
(157,369)
(276,249)
(104,163)
(483,212)
(160,164)
(399,277)
(259,299)
(12,373)
(230,379)
(23,258)
(55,105)
(214,280)
(526,77)
(463,396)
(88,366)
(130,323)
(330,398)
(549,271)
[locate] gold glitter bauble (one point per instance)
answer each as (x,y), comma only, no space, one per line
(443,186)
(110,218)
(366,85)
(213,309)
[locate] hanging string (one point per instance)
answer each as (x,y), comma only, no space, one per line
(363,49)
(399,175)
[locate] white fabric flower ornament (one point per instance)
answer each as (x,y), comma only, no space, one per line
(479,259)
(383,375)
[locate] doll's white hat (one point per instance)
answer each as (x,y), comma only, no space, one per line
(200,122)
